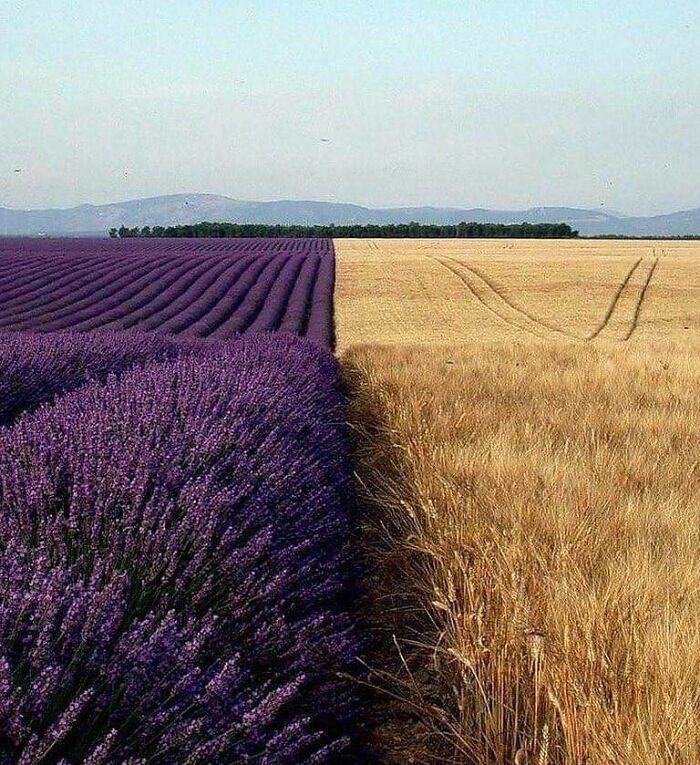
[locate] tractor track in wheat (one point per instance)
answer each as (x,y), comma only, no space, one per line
(642,299)
(615,300)
(496,303)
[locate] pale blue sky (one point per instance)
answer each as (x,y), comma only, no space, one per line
(498,104)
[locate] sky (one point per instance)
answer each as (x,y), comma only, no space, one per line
(505,104)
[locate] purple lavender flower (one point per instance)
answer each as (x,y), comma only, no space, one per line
(176,578)
(200,287)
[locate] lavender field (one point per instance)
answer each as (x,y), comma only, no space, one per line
(177,580)
(199,287)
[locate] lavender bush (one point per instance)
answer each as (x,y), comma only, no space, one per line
(200,287)
(35,368)
(175,577)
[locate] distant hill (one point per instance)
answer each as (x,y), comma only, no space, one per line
(194,208)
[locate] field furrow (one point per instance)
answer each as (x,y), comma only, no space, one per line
(45,284)
(17,270)
(167,299)
(207,298)
(128,301)
(197,287)
(297,311)
(227,298)
(615,301)
(320,325)
(252,301)
(278,296)
(50,296)
(68,311)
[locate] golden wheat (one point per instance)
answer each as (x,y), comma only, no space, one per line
(445,291)
(532,499)
(536,527)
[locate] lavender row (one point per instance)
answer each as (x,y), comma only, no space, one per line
(228,299)
(320,324)
(48,301)
(175,565)
(35,368)
(148,247)
(251,286)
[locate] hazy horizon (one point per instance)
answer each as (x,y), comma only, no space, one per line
(397,104)
(607,210)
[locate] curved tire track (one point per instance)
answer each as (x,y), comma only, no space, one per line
(642,299)
(494,302)
(615,301)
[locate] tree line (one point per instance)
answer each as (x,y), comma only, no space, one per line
(390,231)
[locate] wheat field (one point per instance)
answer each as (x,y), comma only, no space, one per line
(446,291)
(526,423)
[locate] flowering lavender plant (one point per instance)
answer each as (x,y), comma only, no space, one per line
(175,574)
(201,287)
(34,368)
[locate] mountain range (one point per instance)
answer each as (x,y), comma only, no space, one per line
(174,209)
